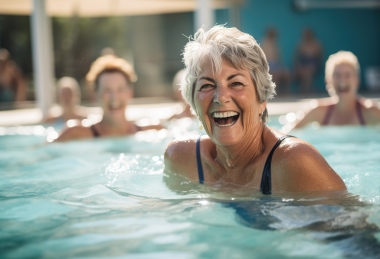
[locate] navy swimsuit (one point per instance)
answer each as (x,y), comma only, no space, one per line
(266,179)
(95,133)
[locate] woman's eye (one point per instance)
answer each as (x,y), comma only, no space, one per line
(237,84)
(206,87)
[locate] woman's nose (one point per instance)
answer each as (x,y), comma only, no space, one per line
(221,95)
(113,95)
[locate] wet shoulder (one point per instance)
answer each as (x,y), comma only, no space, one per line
(180,156)
(297,166)
(74,133)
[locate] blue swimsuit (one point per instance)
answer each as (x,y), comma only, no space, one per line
(266,179)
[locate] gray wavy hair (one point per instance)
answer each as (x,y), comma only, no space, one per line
(239,48)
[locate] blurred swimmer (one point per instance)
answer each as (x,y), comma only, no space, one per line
(112,78)
(178,96)
(344,107)
(69,98)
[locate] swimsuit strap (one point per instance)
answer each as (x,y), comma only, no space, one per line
(328,114)
(360,114)
(199,162)
(266,182)
(95,133)
(266,179)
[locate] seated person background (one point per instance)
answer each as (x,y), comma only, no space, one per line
(112,78)
(344,107)
(308,60)
(228,84)
(69,98)
(13,87)
(280,75)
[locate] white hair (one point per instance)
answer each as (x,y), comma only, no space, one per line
(72,84)
(341,57)
(239,48)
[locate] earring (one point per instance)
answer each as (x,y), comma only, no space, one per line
(201,127)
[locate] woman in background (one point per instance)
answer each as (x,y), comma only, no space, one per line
(112,78)
(186,112)
(345,106)
(69,98)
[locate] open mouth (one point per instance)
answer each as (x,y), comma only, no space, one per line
(343,89)
(225,119)
(114,107)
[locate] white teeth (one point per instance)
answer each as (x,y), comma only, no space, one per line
(225,125)
(224,114)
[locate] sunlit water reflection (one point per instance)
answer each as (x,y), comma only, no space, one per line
(108,198)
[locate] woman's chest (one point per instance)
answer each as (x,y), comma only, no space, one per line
(249,176)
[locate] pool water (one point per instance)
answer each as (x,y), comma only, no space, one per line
(108,198)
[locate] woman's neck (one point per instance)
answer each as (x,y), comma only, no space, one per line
(346,104)
(235,159)
(116,126)
(69,112)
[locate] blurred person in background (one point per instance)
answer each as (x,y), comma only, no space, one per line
(308,60)
(113,78)
(12,83)
(107,51)
(280,75)
(345,106)
(186,112)
(69,99)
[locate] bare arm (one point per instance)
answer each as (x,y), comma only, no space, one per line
(372,115)
(315,114)
(74,133)
(150,127)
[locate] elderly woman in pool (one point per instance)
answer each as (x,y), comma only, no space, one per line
(227,85)
(113,78)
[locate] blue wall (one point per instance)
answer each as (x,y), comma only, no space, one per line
(356,30)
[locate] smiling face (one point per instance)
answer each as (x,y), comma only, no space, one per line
(227,103)
(345,80)
(114,94)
